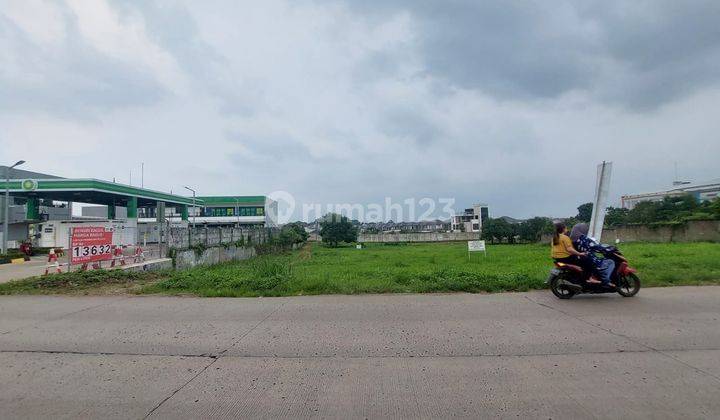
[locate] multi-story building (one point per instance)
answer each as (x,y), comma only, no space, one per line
(701,191)
(470,220)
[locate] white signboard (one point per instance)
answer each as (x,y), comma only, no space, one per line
(476,246)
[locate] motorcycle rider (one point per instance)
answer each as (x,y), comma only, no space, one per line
(563,251)
(601,266)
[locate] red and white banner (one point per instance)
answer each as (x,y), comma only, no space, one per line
(89,244)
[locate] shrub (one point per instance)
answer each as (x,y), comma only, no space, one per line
(11,255)
(199,249)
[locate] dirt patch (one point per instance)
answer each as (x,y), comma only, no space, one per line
(305,252)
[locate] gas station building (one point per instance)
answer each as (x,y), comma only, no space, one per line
(34,197)
(38,198)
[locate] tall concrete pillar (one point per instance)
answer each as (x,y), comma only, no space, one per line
(33,208)
(160,217)
(184,212)
(160,211)
(132,208)
(111,211)
(132,214)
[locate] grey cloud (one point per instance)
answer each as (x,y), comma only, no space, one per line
(269,147)
(502,49)
(636,54)
(663,50)
(468,104)
(77,82)
(408,123)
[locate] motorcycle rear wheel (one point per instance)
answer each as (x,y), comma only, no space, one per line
(560,290)
(628,285)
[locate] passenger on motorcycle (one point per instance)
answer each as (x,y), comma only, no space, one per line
(601,266)
(563,250)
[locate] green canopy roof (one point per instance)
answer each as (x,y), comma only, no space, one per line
(91,191)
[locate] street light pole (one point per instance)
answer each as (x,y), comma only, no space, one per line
(194,211)
(6,228)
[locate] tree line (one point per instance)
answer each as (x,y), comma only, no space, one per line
(672,209)
(335,228)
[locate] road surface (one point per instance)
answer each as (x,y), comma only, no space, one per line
(34,267)
(406,356)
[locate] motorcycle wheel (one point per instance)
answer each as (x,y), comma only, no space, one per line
(628,285)
(559,290)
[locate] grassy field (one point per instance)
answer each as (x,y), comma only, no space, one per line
(420,268)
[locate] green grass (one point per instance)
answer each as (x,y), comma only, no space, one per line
(83,282)
(419,268)
(424,268)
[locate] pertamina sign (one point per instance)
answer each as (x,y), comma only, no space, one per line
(89,244)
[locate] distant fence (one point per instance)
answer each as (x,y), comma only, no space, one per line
(690,231)
(417,237)
(186,237)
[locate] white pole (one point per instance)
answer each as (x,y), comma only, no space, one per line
(604,172)
(193,203)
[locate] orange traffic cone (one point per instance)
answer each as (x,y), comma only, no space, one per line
(52,262)
(139,254)
(118,255)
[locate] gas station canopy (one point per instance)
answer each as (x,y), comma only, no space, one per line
(93,191)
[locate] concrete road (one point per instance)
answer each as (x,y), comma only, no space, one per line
(34,267)
(405,356)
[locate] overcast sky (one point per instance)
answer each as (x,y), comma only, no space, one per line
(511,103)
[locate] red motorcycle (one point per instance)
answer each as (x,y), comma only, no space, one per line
(568,280)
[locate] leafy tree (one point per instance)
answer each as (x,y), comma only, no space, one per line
(676,207)
(616,216)
(715,206)
(497,229)
(532,229)
(644,212)
(335,228)
(293,233)
(584,212)
(670,208)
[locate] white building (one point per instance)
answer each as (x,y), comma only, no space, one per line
(702,191)
(470,220)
